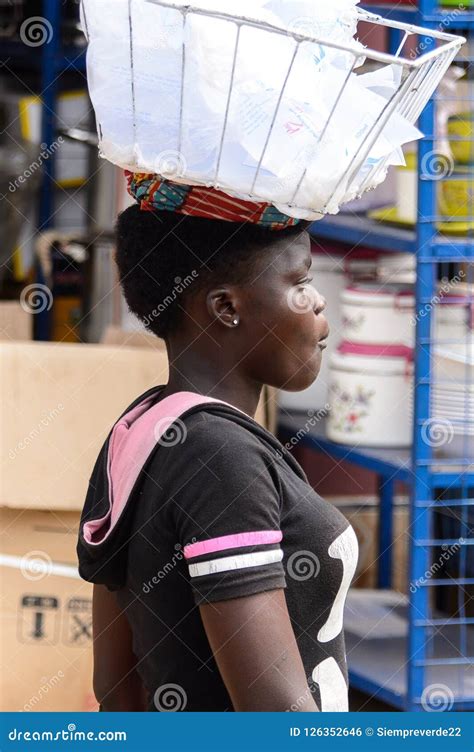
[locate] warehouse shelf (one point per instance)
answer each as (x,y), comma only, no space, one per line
(449,19)
(377,658)
(15,52)
(393,463)
(357,229)
(448,468)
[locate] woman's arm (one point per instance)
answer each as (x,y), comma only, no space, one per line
(117,685)
(255,649)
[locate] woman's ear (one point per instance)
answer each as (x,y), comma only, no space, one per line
(222,306)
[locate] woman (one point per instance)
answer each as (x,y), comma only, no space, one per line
(220,574)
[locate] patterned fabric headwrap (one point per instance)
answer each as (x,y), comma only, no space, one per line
(154,193)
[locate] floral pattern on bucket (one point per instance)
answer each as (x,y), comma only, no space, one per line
(348,410)
(353,322)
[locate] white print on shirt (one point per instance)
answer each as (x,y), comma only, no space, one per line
(332,686)
(345,547)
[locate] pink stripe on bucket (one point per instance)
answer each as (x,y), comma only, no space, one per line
(388,351)
(239,540)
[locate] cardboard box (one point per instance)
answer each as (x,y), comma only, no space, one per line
(363,514)
(115,335)
(59,402)
(16,323)
(46,615)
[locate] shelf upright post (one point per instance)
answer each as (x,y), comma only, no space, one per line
(422,452)
(50,52)
(49,89)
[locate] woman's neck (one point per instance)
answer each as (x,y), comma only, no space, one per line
(192,372)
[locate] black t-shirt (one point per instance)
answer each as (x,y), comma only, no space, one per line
(224,511)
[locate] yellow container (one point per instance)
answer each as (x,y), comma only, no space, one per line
(456,196)
(461,137)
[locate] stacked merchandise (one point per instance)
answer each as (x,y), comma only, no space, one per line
(370,311)
(453,388)
(371,371)
(371,385)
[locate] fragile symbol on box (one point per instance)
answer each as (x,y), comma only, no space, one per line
(39,619)
(78,625)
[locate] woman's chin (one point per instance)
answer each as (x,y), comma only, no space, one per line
(301,381)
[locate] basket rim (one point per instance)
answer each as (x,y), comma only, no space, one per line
(453,41)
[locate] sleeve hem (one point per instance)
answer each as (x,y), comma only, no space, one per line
(229,592)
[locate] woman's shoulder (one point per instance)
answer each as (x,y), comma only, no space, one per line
(217,425)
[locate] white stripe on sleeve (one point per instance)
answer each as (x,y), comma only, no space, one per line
(241,561)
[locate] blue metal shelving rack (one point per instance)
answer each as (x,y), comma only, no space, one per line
(50,61)
(55,60)
(423,660)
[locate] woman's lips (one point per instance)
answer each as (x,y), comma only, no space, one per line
(323,342)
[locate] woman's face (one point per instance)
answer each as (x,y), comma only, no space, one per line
(282,317)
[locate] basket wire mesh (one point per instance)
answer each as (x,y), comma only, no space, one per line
(418,80)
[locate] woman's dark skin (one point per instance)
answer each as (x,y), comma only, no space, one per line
(277,340)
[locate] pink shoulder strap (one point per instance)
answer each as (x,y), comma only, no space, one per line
(131,442)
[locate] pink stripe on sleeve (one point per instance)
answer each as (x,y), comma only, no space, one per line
(239,540)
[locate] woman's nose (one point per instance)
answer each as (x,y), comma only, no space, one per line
(320,303)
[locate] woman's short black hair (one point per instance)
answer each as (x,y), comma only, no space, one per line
(163,257)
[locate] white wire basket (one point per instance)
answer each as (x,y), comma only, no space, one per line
(261,111)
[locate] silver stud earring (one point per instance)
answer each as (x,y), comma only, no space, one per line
(235,322)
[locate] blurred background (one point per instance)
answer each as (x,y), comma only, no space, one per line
(388,439)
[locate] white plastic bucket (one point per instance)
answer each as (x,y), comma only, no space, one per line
(378,315)
(371,396)
(397,267)
(407,190)
(329,279)
(363,269)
